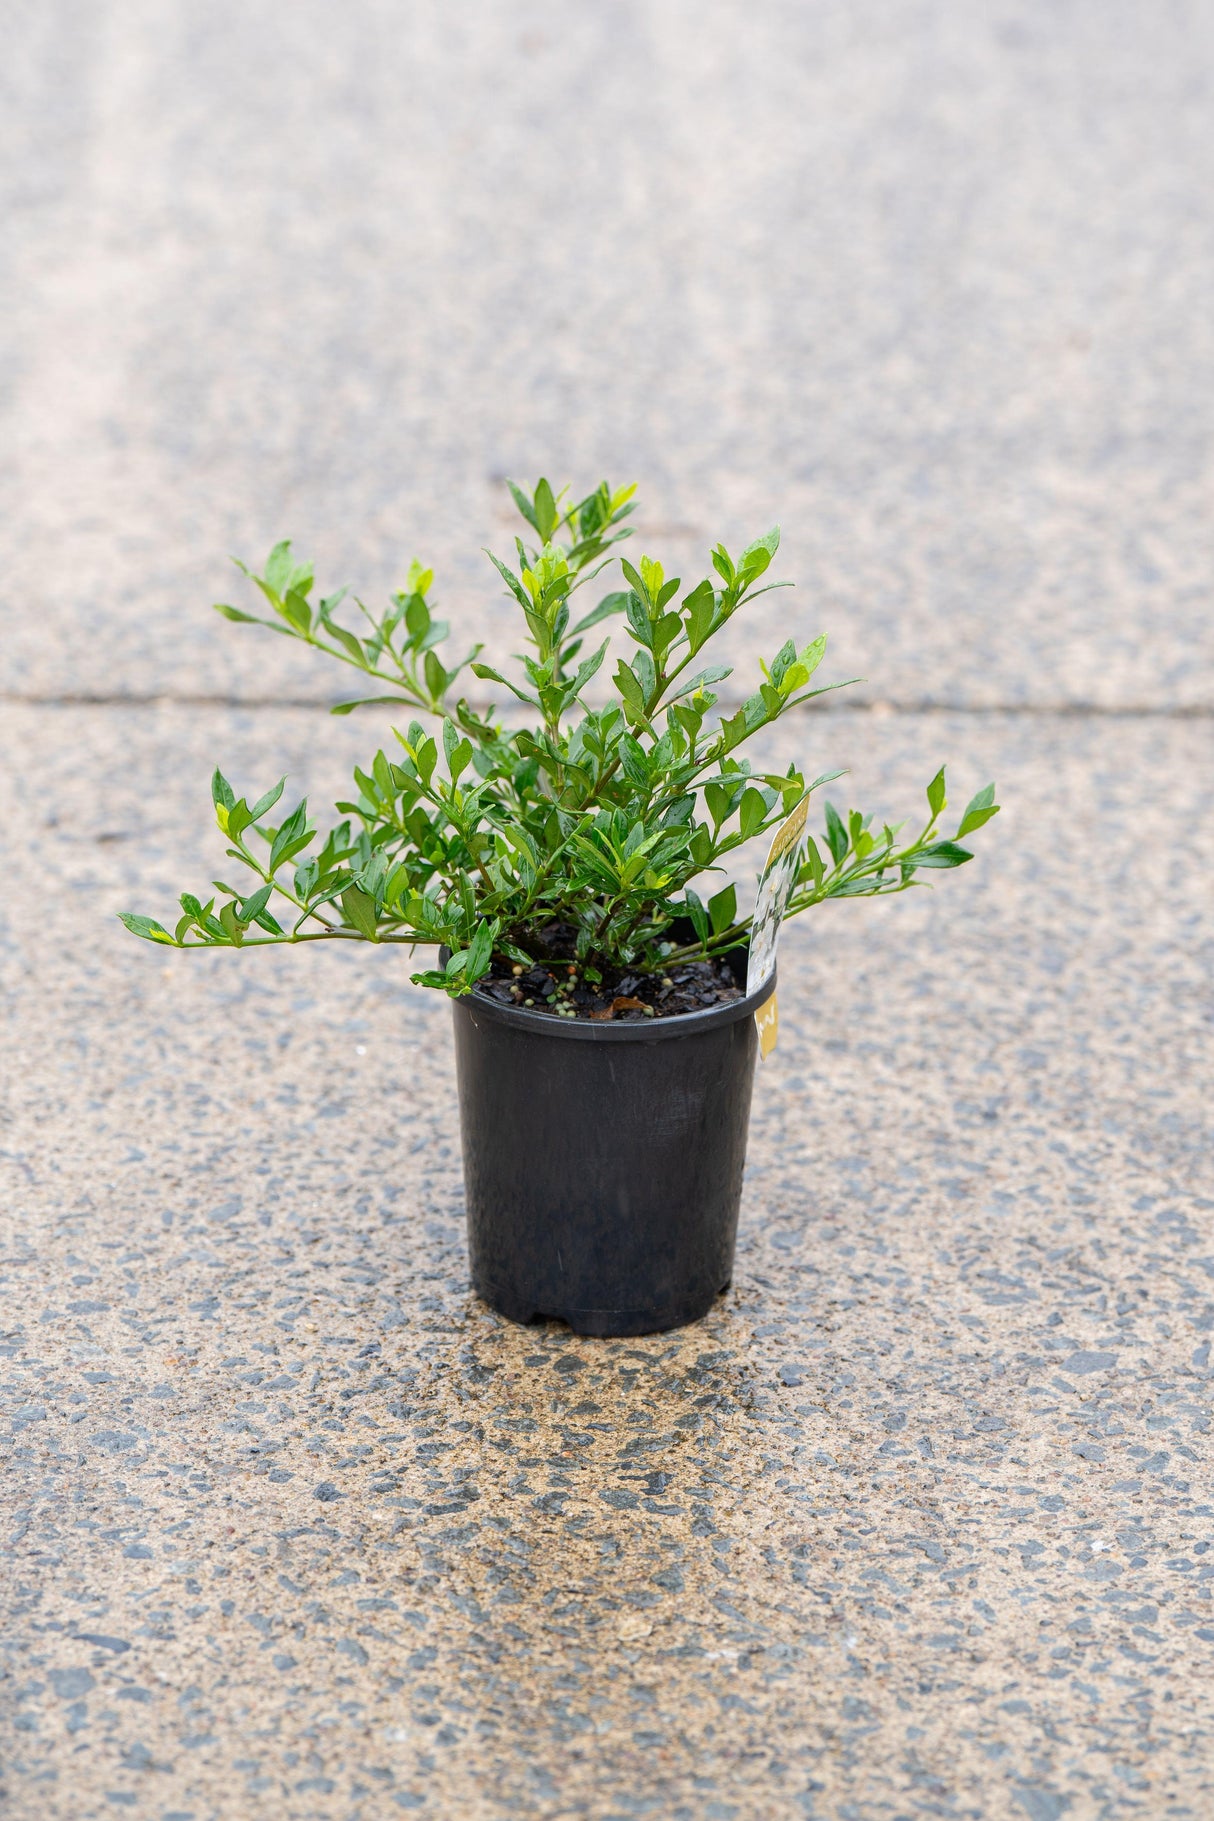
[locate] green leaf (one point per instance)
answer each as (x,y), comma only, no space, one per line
(359,908)
(638,619)
(635,764)
(146,927)
(666,631)
(719,801)
(632,693)
(594,511)
(610,603)
(524,505)
(436,677)
(539,629)
(426,759)
(977,819)
(231,924)
(699,612)
(782,662)
(430,977)
(757,556)
(458,759)
(633,576)
(836,834)
(373,878)
(813,862)
(511,580)
(255,903)
(751,813)
(936,798)
(350,645)
(480,953)
(296,609)
(267,802)
(547,518)
(306,877)
(701,847)
(687,719)
(697,913)
(222,794)
(278,568)
(644,672)
(417,617)
(723,909)
(234,613)
(381,772)
(302,577)
(734,730)
(363,702)
(487,674)
(941,854)
(587,669)
(290,836)
(980,808)
(715,673)
(812,655)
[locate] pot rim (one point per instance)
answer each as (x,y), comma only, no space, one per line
(585,1030)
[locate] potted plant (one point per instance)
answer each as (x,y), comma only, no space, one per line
(604,1019)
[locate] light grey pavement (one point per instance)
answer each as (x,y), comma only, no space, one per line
(919,1522)
(928,282)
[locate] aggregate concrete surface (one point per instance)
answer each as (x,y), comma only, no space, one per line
(918,1522)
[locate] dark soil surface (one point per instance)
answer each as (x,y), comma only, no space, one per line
(560,988)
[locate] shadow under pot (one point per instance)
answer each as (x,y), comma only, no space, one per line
(603,1161)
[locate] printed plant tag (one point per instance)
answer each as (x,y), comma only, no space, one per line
(776,882)
(767,1020)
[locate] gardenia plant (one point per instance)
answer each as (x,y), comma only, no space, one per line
(589,831)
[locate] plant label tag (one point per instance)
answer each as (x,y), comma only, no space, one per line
(767,1021)
(776,883)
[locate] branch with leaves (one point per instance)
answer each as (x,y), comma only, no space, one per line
(598,821)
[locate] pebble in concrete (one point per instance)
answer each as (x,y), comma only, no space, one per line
(917,1522)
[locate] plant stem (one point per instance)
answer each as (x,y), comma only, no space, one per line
(329,934)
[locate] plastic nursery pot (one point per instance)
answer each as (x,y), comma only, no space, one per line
(603,1162)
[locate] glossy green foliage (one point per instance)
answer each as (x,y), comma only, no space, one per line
(476,834)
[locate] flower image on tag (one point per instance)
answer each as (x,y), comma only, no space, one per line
(776,882)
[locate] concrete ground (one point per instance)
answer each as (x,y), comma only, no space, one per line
(919,1521)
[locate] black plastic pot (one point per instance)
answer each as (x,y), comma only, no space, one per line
(603,1162)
